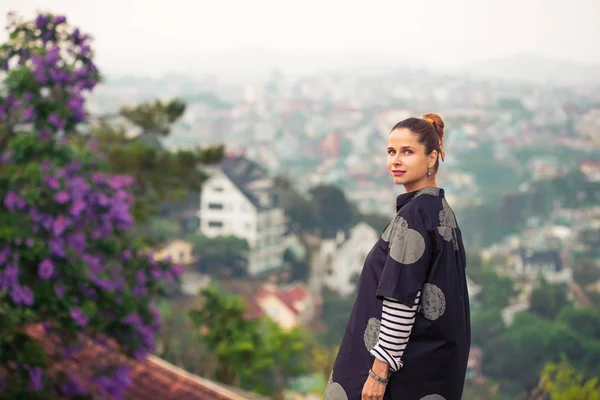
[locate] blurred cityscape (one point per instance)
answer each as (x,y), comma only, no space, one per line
(277,226)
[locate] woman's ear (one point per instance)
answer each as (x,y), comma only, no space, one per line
(432,159)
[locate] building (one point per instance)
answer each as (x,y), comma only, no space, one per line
(344,257)
(240,199)
(548,263)
(178,251)
(289,306)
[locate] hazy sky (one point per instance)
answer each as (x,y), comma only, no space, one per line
(158,36)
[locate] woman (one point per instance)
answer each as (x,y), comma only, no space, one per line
(409,333)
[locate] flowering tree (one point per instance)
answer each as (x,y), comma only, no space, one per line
(67,258)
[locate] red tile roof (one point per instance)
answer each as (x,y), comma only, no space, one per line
(289,296)
(153,378)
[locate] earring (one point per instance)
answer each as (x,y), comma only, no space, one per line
(429,174)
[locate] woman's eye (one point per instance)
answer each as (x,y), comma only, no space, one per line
(408,152)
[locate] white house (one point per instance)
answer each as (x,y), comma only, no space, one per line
(240,199)
(548,263)
(344,257)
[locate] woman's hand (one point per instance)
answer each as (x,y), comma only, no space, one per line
(373,390)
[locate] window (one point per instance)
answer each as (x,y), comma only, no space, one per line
(215,206)
(215,224)
(218,188)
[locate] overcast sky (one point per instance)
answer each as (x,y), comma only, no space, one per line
(159,36)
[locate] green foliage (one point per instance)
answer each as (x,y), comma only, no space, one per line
(486,324)
(161,176)
(178,342)
(585,271)
(155,118)
(563,382)
(335,312)
(255,353)
(332,210)
(224,256)
(497,291)
(548,299)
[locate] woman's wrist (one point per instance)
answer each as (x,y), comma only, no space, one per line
(381,368)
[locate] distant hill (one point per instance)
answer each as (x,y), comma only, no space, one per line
(535,68)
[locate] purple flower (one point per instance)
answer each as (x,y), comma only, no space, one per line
(35,378)
(119,181)
(133,319)
(52,56)
(178,269)
(13,201)
(60,225)
(57,246)
(141,277)
(39,75)
(140,291)
(52,182)
(123,376)
(21,295)
(77,242)
(27,295)
(140,354)
(6,157)
(77,39)
(125,256)
(11,272)
(62,197)
(4,253)
(73,167)
(56,120)
(45,269)
(103,200)
(29,242)
(59,290)
(72,387)
(60,19)
(77,207)
(28,114)
(75,105)
(41,21)
(47,222)
(78,185)
(79,317)
(156,273)
(44,135)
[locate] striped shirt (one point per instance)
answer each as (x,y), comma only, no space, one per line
(397,321)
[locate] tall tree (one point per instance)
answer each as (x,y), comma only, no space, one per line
(274,354)
(67,258)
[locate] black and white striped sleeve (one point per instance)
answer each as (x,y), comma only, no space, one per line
(397,321)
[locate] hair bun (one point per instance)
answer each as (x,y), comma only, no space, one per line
(438,125)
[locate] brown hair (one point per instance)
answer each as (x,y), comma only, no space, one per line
(430,130)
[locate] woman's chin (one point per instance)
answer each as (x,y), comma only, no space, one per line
(398,180)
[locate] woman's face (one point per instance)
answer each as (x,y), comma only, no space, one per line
(407,162)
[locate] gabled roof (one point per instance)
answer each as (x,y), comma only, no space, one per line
(248,175)
(153,378)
